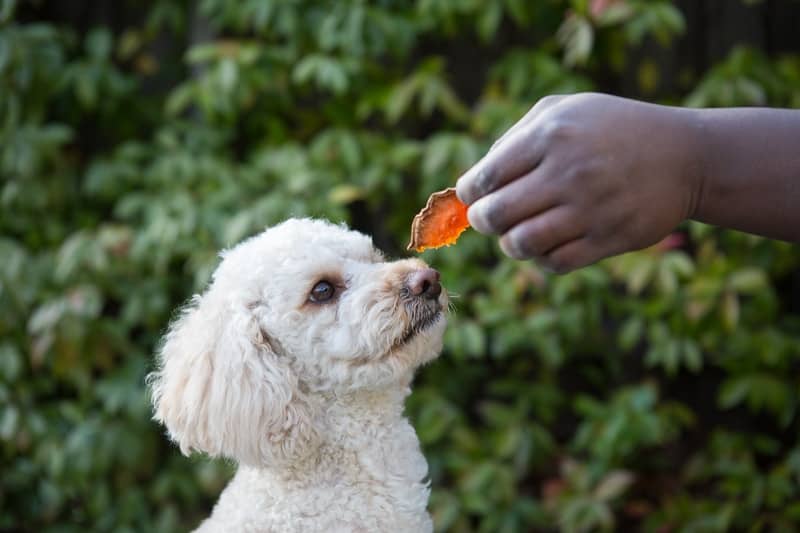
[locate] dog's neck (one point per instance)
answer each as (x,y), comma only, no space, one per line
(362,408)
(369,458)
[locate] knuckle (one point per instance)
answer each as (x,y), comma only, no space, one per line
(575,173)
(538,237)
(557,129)
(558,264)
(530,243)
(485,179)
(580,178)
(550,100)
(493,213)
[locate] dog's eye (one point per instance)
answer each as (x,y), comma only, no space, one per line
(322,292)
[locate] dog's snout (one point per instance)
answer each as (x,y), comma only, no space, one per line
(424,283)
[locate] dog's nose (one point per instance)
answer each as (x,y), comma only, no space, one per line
(424,283)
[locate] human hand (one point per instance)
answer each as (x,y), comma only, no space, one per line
(583,177)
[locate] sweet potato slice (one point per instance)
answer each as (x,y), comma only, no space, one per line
(440,223)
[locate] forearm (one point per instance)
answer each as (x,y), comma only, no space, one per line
(749,170)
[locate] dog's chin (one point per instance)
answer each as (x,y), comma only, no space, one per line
(421,340)
(420,325)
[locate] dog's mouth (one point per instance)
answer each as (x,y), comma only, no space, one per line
(422,318)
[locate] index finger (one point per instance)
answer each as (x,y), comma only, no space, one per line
(516,156)
(541,105)
(508,158)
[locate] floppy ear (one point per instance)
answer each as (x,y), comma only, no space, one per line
(221,389)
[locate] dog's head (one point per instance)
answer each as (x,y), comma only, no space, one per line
(306,307)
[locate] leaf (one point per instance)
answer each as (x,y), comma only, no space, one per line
(730,310)
(237,228)
(680,263)
(326,72)
(9,420)
(228,74)
(10,362)
(474,339)
(345,194)
(489,20)
(445,509)
(631,332)
(613,485)
(86,89)
(692,356)
(748,281)
(641,274)
(7,8)
(615,13)
(733,392)
(399,100)
(477,480)
(667,280)
(46,316)
(585,514)
(577,37)
(99,44)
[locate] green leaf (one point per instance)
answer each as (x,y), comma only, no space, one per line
(10,362)
(730,310)
(631,332)
(577,37)
(613,485)
(748,281)
(615,13)
(9,421)
(7,8)
(345,194)
(99,44)
(489,20)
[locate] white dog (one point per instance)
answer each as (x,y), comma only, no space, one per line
(295,362)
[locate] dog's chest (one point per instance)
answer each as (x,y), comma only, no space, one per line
(392,455)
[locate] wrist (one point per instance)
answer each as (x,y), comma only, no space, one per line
(697,162)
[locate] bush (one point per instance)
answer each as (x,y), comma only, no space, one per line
(656,391)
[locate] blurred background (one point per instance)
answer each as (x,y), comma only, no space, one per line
(657,391)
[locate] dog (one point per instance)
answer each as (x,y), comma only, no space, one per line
(295,362)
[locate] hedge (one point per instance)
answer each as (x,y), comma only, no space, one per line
(656,391)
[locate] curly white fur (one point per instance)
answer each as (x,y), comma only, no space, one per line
(306,397)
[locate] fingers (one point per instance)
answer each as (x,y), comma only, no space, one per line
(557,243)
(538,236)
(521,199)
(512,159)
(514,154)
(571,256)
(541,105)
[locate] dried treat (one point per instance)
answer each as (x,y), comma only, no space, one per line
(440,223)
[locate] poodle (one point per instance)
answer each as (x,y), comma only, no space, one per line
(295,363)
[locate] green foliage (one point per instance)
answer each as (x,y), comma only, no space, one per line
(655,391)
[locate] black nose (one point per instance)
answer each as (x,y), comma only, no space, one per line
(425,283)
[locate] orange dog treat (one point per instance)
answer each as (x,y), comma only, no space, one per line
(440,223)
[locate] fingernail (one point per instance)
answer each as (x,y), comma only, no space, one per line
(477,215)
(465,187)
(509,246)
(461,190)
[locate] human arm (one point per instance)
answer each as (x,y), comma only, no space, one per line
(587,176)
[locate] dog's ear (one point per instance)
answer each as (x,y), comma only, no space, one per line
(221,389)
